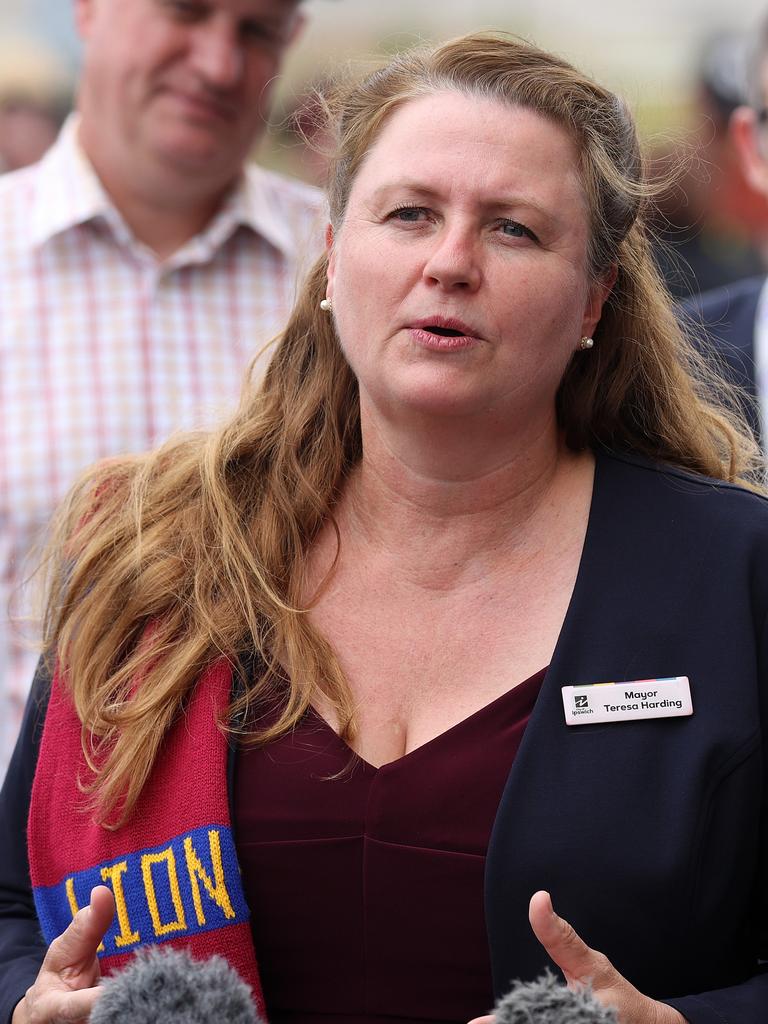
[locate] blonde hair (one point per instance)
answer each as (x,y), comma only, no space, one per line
(198,551)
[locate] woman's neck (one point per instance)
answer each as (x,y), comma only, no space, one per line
(448,514)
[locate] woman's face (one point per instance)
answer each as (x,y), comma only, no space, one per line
(458,276)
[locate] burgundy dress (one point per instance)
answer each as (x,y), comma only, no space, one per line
(366,884)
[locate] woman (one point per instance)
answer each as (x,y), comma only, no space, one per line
(478,471)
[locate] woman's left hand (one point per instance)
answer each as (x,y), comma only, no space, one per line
(583,966)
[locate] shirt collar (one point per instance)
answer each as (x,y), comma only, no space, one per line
(70,193)
(251,204)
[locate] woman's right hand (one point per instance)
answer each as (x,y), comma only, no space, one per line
(65,989)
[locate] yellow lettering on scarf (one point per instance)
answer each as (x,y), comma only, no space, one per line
(168,858)
(114,875)
(70,887)
(217,890)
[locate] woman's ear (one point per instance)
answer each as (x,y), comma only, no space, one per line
(599,291)
(331,253)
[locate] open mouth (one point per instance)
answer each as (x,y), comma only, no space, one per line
(444,332)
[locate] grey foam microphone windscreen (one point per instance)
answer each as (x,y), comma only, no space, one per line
(166,985)
(547,1001)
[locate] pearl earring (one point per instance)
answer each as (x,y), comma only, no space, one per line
(586,343)
(325,305)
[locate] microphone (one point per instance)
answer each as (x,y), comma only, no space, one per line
(546,1001)
(165,984)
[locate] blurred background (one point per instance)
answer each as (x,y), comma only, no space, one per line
(679,63)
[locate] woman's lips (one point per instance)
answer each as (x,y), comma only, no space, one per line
(442,342)
(444,334)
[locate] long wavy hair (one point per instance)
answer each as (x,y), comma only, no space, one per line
(165,563)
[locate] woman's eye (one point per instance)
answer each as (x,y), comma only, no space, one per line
(514,229)
(408,214)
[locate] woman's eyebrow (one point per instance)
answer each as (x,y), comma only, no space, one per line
(418,188)
(497,203)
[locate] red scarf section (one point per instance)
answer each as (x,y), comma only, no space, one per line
(172,867)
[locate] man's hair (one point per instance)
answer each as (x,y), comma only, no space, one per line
(167,562)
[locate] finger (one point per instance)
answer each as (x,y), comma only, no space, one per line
(77,945)
(563,944)
(72,1006)
(102,908)
(482,1020)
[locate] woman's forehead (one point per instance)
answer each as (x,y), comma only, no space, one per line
(451,140)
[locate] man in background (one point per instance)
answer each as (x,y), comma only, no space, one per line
(143,263)
(708,222)
(35,95)
(734,318)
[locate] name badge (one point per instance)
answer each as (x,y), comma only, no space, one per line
(591,703)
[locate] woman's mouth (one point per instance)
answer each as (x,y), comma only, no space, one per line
(444,334)
(442,339)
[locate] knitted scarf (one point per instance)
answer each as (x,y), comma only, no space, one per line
(172,867)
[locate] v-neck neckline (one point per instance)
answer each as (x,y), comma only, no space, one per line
(599,457)
(520,690)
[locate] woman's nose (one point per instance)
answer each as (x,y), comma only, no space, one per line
(454,262)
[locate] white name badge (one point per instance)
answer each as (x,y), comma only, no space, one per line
(622,702)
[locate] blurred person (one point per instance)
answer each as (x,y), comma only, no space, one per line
(306,134)
(27,132)
(309,695)
(35,95)
(143,262)
(734,318)
(710,223)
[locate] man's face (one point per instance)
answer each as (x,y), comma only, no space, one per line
(179,86)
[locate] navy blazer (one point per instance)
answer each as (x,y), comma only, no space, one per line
(651,835)
(724,318)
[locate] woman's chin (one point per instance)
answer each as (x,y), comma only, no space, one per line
(438,403)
